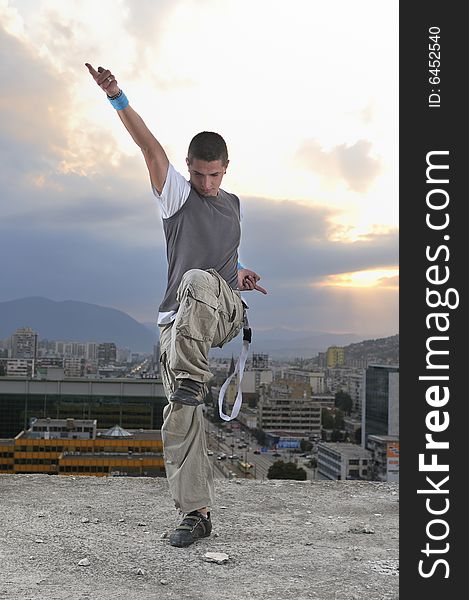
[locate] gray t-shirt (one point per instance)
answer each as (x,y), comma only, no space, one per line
(201,233)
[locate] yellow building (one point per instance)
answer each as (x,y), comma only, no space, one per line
(76,447)
(335,357)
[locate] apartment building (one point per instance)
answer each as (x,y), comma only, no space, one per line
(339,461)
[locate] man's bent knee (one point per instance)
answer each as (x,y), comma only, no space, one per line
(194,278)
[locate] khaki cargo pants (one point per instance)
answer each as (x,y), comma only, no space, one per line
(210,315)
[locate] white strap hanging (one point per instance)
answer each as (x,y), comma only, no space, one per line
(239,368)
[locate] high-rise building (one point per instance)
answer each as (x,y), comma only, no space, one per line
(24,343)
(290,408)
(335,356)
(92,350)
(107,353)
(321,359)
(380,411)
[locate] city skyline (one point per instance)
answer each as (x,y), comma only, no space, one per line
(311,126)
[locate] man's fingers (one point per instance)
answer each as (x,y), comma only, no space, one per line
(250,283)
(102,76)
(91,70)
(260,289)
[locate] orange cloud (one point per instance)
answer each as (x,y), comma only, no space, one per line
(370,278)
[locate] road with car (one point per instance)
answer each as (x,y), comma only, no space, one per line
(227,448)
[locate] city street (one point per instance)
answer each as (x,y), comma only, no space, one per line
(228,446)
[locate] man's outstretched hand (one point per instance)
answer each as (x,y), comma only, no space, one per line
(105,79)
(247,280)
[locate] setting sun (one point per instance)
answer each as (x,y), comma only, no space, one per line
(364,279)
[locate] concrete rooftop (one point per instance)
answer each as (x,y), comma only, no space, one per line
(284,539)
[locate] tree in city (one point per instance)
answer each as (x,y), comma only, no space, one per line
(344,402)
(312,463)
(338,419)
(283,470)
(337,435)
(306,446)
(327,419)
(332,418)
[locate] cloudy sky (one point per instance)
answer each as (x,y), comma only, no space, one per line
(305,94)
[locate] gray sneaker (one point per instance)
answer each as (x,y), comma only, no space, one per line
(193,527)
(189,392)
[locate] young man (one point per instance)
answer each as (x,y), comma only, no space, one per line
(202,307)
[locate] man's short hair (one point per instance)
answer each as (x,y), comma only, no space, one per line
(208,146)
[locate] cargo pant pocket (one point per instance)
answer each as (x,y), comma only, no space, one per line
(231,323)
(168,383)
(197,314)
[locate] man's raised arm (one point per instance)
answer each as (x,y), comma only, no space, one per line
(155,156)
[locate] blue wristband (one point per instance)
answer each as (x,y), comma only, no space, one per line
(120,102)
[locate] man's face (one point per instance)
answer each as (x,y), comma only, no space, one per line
(206,176)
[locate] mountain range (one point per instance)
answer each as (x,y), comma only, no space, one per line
(71,320)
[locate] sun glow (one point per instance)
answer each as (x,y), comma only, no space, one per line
(363,279)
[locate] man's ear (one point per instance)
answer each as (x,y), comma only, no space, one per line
(187,162)
(226,166)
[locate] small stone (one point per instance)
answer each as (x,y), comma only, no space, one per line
(360,529)
(85,520)
(41,515)
(216,557)
(164,581)
(121,520)
(141,524)
(141,572)
(216,535)
(223,507)
(84,562)
(95,521)
(39,541)
(307,522)
(308,512)
(377,514)
(164,535)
